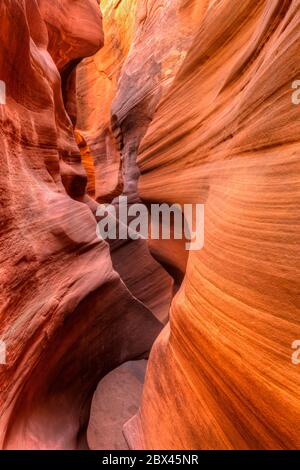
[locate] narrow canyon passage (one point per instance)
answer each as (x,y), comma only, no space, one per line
(143,344)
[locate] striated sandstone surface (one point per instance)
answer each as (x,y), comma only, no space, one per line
(177,101)
(118,90)
(97,81)
(227,135)
(120,87)
(66,316)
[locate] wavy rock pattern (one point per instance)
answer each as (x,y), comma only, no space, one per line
(120,87)
(66,316)
(186,101)
(97,79)
(227,135)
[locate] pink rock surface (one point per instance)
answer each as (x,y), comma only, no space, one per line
(227,135)
(66,316)
(176,101)
(115,401)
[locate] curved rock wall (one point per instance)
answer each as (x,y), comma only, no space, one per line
(227,135)
(66,316)
(97,81)
(120,87)
(187,101)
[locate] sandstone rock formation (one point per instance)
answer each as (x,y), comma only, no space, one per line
(67,318)
(116,399)
(119,88)
(176,101)
(227,135)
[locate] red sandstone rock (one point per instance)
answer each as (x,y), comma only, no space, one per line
(145,46)
(97,79)
(210,85)
(227,135)
(66,316)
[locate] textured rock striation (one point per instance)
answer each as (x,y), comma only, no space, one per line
(176,101)
(67,317)
(120,87)
(227,135)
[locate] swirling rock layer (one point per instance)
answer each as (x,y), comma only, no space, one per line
(227,135)
(67,318)
(184,102)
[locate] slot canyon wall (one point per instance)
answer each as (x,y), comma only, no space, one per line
(227,134)
(67,317)
(182,101)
